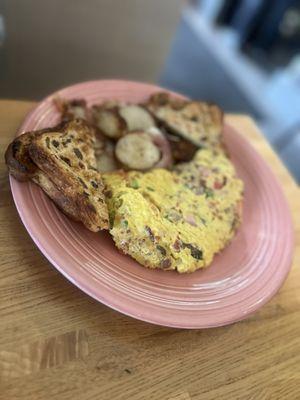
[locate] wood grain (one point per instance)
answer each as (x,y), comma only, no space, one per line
(57,343)
(46,353)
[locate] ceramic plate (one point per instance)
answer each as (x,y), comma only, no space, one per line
(242,277)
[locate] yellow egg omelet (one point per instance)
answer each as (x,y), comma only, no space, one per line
(179,219)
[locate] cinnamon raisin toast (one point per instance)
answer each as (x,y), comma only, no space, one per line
(62,162)
(198,122)
(17,157)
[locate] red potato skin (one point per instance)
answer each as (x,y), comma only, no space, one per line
(166,160)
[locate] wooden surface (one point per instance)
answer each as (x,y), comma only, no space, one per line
(57,343)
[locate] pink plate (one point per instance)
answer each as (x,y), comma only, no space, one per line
(241,279)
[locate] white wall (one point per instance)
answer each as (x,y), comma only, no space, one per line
(50,44)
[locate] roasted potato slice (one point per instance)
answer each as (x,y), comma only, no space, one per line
(160,140)
(72,109)
(105,154)
(106,160)
(115,119)
(181,149)
(136,117)
(108,121)
(137,151)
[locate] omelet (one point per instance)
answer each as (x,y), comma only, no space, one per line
(179,219)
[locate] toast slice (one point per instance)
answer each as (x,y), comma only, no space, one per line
(62,162)
(17,157)
(72,109)
(67,158)
(62,202)
(198,122)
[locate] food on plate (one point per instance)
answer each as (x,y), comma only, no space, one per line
(181,149)
(70,109)
(198,122)
(62,161)
(17,158)
(136,150)
(160,140)
(107,119)
(136,117)
(175,220)
(142,150)
(156,175)
(115,119)
(105,154)
(104,147)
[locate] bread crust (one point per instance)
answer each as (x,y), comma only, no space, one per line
(72,182)
(195,121)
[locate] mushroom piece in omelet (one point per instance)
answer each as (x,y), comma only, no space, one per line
(175,220)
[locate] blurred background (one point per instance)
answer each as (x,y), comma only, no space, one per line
(242,54)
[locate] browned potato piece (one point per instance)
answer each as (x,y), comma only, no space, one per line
(137,151)
(105,157)
(106,162)
(72,109)
(181,149)
(136,117)
(105,154)
(108,121)
(116,119)
(99,144)
(160,140)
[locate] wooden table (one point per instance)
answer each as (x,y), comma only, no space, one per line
(58,343)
